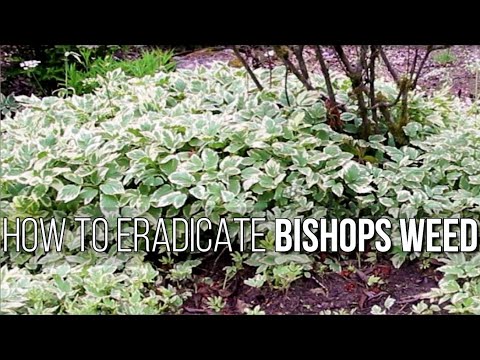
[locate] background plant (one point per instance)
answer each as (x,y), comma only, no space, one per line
(72,66)
(375,112)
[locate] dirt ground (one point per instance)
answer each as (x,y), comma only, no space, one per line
(437,72)
(453,73)
(345,292)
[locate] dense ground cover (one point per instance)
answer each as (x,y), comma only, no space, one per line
(205,142)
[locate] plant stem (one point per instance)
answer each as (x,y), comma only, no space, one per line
(247,67)
(476,85)
(38,83)
(66,72)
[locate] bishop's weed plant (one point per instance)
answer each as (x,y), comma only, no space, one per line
(206,143)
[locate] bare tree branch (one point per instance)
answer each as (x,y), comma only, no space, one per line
(248,68)
(414,65)
(343,58)
(430,49)
(298,51)
(326,74)
(356,77)
(283,54)
(286,87)
(371,80)
(362,58)
(389,66)
(386,104)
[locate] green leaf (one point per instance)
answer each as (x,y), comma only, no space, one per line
(236,206)
(227,196)
(182,178)
(68,193)
(170,198)
(199,192)
(449,286)
(109,206)
(73,178)
(250,172)
(231,162)
(39,191)
(112,187)
(337,189)
(62,285)
(194,164)
(142,204)
(272,168)
(267,182)
(88,194)
(351,172)
(179,200)
(452,270)
(168,138)
(170,166)
(347,116)
(210,159)
(402,196)
(162,190)
(234,186)
(332,150)
(137,154)
(387,202)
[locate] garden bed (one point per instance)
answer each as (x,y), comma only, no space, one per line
(332,293)
(204,142)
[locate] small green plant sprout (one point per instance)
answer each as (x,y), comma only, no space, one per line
(377,310)
(285,275)
(444,57)
(424,309)
(374,281)
(216,303)
(268,243)
(371,257)
(167,260)
(333,265)
(474,67)
(320,269)
(232,270)
(183,271)
(170,300)
(257,281)
(338,312)
(425,264)
(351,268)
(257,310)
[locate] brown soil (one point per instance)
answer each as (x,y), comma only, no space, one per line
(435,75)
(333,291)
(454,74)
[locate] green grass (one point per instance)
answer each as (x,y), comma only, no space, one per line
(445,57)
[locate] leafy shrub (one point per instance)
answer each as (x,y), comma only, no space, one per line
(460,285)
(45,64)
(81,74)
(8,105)
(108,286)
(361,67)
(74,68)
(205,143)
